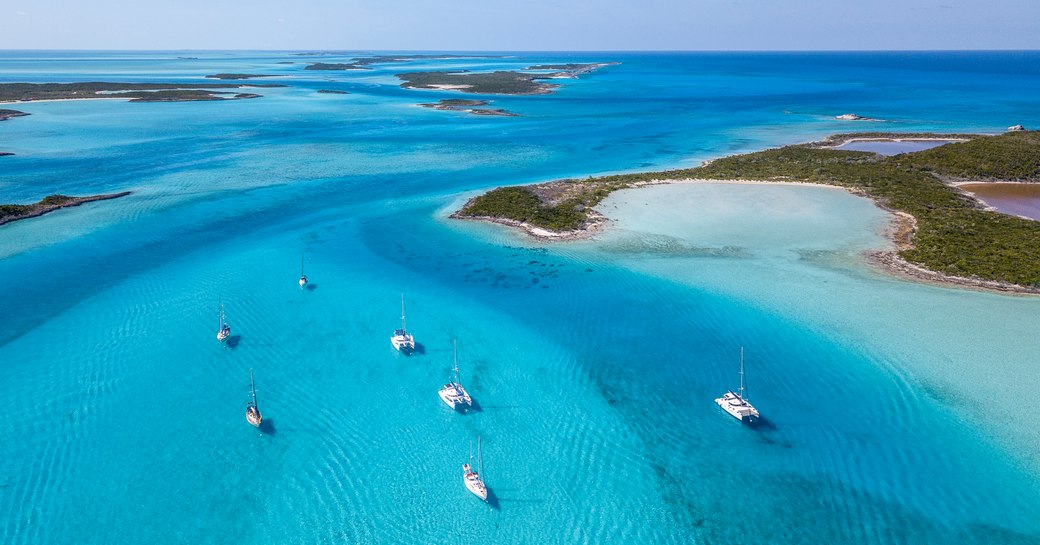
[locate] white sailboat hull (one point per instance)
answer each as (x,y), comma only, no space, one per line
(455,396)
(473,482)
(738,408)
(403,342)
(254,417)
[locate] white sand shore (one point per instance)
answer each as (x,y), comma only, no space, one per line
(901,232)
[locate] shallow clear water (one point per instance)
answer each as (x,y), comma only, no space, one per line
(894,409)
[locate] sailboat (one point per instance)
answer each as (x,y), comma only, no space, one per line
(737,404)
(401,339)
(253,415)
(224,330)
(453,393)
(472,478)
(303,277)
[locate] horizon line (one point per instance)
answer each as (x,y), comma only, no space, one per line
(333,51)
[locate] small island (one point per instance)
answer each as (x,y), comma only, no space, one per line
(467,105)
(333,92)
(240,76)
(941,233)
(137,92)
(8,114)
(854,117)
(571,70)
(500,82)
(15,212)
(362,63)
(334,66)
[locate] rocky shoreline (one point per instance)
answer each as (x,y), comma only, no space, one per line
(8,114)
(52,203)
(468,106)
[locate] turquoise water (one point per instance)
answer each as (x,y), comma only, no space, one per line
(896,412)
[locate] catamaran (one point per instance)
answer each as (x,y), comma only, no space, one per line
(401,339)
(224,330)
(303,277)
(253,415)
(737,404)
(472,478)
(453,393)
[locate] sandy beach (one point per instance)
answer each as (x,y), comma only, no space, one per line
(900,232)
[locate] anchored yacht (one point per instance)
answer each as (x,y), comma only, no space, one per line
(452,393)
(737,404)
(401,339)
(224,330)
(472,478)
(253,415)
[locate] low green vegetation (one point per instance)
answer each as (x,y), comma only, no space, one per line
(467,105)
(954,236)
(14,212)
(239,76)
(181,95)
(25,92)
(559,206)
(501,82)
(334,66)
(522,204)
(8,211)
(569,66)
(1010,157)
(361,63)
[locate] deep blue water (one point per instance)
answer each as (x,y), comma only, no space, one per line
(594,364)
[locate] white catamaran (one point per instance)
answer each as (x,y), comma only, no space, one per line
(472,478)
(224,330)
(401,339)
(453,393)
(253,415)
(737,404)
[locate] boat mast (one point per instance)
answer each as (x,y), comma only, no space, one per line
(301,265)
(252,387)
(742,386)
(402,313)
(220,315)
(480,465)
(455,348)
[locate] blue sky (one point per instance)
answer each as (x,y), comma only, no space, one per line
(521,24)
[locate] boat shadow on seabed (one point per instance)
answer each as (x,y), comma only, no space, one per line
(267,427)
